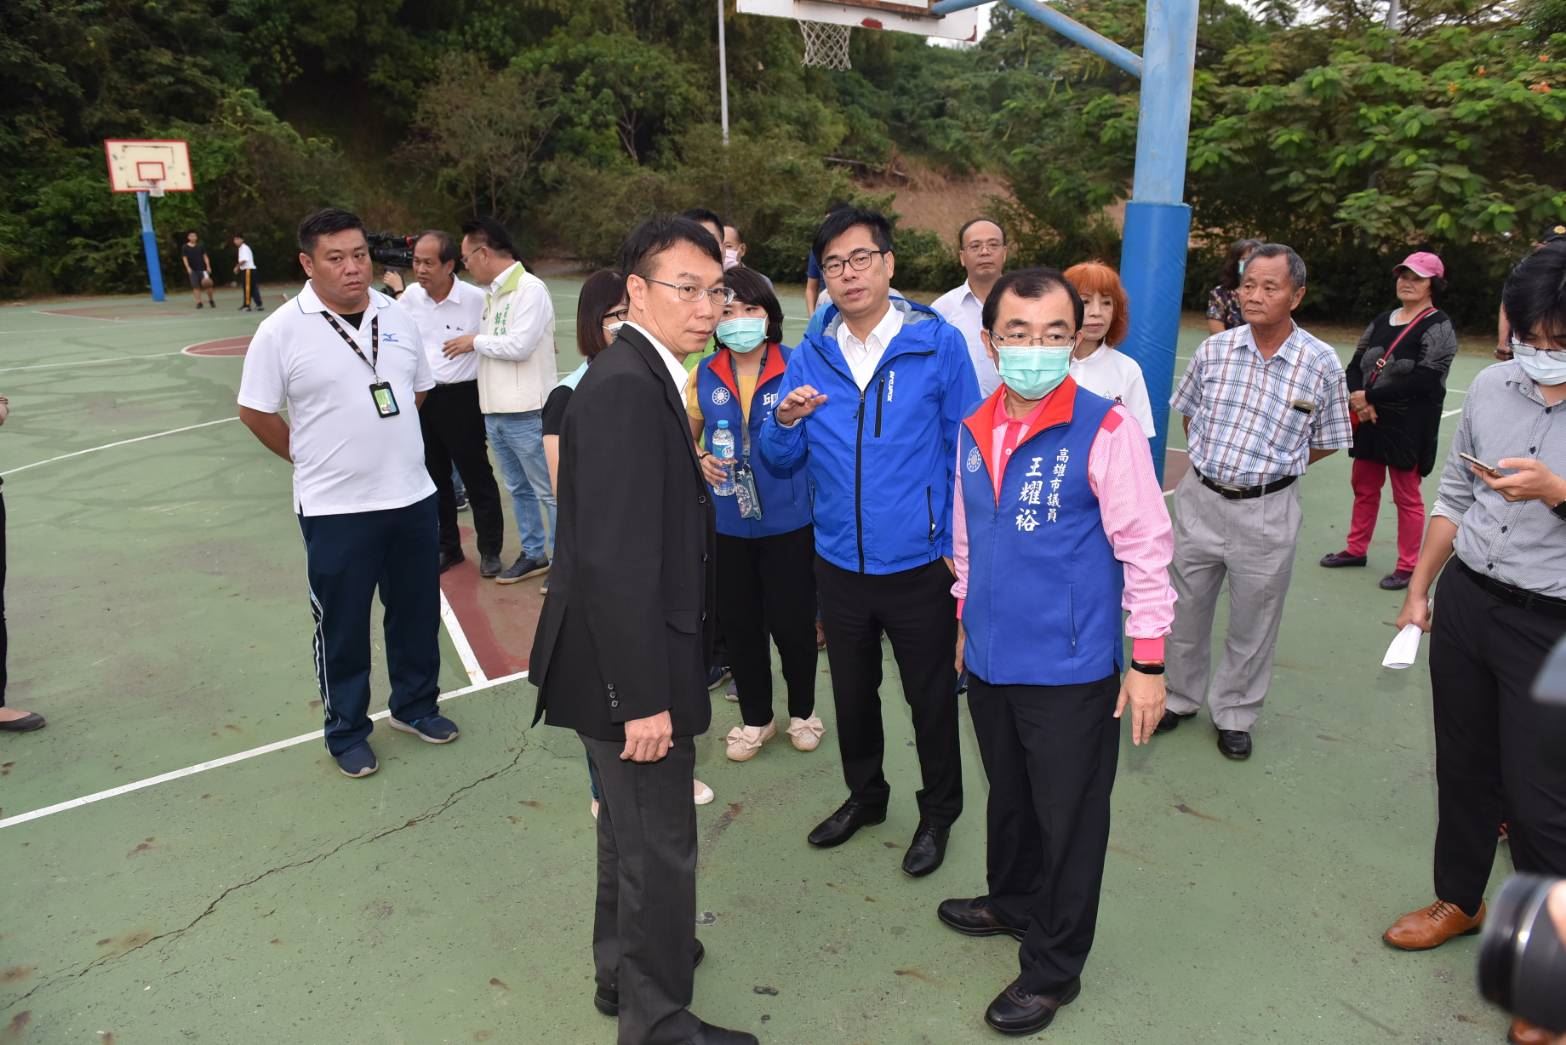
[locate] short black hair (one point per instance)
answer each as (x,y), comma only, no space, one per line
(1031,284)
(237,235)
(1535,294)
(490,233)
(449,250)
(325,222)
(751,288)
(845,218)
(962,233)
(658,234)
(601,292)
(704,217)
(1239,250)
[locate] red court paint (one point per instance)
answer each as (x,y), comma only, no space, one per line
(498,619)
(111,312)
(223,346)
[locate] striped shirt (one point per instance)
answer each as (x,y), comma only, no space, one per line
(1255,420)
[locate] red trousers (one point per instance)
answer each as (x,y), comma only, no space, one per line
(1367,480)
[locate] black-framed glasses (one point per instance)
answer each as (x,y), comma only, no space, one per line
(859,260)
(619,315)
(690,292)
(1028,340)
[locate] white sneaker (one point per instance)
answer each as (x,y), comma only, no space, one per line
(703,794)
(805,733)
(745,741)
(594,809)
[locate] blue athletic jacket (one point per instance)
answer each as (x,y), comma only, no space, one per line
(880,461)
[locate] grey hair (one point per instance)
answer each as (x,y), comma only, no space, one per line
(1283,250)
(443,242)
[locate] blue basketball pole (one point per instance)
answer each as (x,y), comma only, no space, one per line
(1158,222)
(149,246)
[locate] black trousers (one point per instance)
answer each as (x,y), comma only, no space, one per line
(1494,759)
(4,641)
(348,558)
(916,611)
(644,924)
(453,428)
(766,588)
(250,286)
(1049,753)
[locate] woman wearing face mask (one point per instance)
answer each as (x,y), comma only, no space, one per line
(1095,365)
(1397,386)
(1223,304)
(766,550)
(600,310)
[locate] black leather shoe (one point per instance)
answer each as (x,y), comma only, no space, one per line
(1016,1011)
(1171,721)
(841,825)
(450,559)
(977,917)
(1338,560)
(1235,744)
(607,999)
(927,851)
(710,1035)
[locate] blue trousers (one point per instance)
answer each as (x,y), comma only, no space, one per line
(518,442)
(347,558)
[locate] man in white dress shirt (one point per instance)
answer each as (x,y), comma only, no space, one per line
(981,247)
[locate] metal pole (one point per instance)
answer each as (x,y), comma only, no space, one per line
(149,246)
(723,74)
(1158,222)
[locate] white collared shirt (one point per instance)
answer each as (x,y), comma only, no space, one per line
(1115,375)
(347,457)
(864,356)
(677,372)
(460,312)
(962,308)
(247,257)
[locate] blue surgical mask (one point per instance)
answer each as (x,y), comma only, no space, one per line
(1034,373)
(1540,368)
(742,333)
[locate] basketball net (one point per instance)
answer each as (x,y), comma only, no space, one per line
(155,189)
(826,45)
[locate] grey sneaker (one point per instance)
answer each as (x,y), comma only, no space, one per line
(489,566)
(524,568)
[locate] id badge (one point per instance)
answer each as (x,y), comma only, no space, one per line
(746,499)
(385,401)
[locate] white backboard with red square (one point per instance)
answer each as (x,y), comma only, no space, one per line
(149,165)
(905,16)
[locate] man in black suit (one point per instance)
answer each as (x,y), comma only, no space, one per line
(621,650)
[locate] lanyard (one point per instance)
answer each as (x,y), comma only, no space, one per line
(375,342)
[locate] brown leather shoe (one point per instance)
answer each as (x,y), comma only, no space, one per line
(1525,1033)
(1432,926)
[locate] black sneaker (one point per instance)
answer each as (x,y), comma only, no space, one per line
(357,761)
(450,559)
(522,569)
(244,308)
(198,304)
(489,566)
(462,502)
(717,675)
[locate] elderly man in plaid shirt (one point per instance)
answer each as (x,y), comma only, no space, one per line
(1261,403)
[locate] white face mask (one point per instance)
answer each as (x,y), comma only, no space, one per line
(613,329)
(731,259)
(1540,367)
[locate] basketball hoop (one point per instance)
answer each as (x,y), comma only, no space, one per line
(826,45)
(155,188)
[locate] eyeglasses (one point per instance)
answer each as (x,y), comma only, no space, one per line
(1025,340)
(469,254)
(1554,355)
(719,296)
(859,260)
(619,315)
(989,246)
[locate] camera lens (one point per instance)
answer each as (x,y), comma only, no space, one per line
(1522,965)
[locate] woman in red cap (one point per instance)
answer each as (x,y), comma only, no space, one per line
(1397,385)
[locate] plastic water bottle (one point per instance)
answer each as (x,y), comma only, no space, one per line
(723,450)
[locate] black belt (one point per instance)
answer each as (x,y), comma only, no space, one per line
(1244,493)
(1515,596)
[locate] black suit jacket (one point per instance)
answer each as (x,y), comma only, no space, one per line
(626,629)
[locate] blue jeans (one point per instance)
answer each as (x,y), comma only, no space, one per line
(518,440)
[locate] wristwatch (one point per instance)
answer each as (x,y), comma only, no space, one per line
(1147,669)
(1560,511)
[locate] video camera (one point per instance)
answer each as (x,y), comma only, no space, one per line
(391,251)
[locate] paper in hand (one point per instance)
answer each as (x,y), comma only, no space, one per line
(1404,648)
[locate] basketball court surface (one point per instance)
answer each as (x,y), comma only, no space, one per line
(159,619)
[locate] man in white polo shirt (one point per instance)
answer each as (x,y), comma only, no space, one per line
(444,307)
(245,269)
(981,247)
(346,363)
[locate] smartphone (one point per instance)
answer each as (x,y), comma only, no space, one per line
(1471,459)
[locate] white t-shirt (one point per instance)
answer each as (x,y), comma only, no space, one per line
(1115,375)
(247,257)
(460,312)
(347,458)
(962,308)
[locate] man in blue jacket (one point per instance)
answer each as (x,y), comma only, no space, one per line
(876,399)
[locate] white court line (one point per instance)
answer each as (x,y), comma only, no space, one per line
(218,763)
(459,639)
(86,362)
(122,442)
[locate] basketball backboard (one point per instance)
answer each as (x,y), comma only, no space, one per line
(149,165)
(904,16)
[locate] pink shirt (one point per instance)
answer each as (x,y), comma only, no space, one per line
(1135,517)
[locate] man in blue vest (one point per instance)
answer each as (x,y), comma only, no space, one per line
(1058,525)
(874,404)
